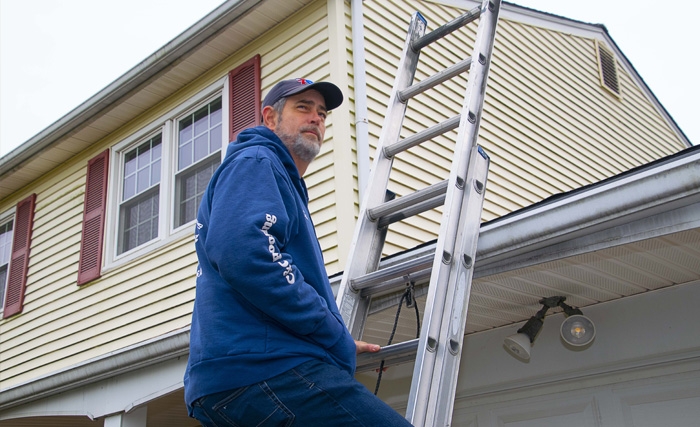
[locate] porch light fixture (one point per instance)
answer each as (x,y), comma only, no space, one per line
(577,330)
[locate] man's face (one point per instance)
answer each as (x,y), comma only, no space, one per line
(302,124)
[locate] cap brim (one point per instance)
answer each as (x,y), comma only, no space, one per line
(330,92)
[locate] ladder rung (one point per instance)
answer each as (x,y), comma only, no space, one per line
(397,283)
(395,274)
(422,136)
(409,205)
(438,199)
(391,355)
(446,29)
(435,79)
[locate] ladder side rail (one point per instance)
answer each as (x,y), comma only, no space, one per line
(428,341)
(443,387)
(421,403)
(435,302)
(365,250)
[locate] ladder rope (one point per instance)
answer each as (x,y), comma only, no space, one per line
(409,297)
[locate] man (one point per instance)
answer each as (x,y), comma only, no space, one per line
(268,345)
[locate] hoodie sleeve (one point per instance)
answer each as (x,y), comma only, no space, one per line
(254,214)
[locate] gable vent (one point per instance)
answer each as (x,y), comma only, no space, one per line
(607,66)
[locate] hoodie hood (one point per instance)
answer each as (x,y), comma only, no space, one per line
(262,136)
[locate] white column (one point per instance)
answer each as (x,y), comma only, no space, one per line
(135,418)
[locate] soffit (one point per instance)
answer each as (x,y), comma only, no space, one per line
(586,279)
(198,49)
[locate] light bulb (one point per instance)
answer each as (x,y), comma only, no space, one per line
(577,330)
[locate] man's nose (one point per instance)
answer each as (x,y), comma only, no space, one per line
(317,117)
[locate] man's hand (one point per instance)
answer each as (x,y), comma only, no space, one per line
(363,347)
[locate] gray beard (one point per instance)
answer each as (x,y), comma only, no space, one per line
(300,147)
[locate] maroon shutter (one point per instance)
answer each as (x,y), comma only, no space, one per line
(90,264)
(244,96)
(19,261)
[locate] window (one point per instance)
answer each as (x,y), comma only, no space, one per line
(5,252)
(155,179)
(147,174)
(138,211)
(199,144)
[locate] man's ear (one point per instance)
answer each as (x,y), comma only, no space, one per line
(269,116)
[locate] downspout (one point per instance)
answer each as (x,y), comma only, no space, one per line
(359,71)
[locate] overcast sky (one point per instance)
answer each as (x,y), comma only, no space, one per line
(54,55)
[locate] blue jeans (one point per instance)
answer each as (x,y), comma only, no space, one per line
(312,394)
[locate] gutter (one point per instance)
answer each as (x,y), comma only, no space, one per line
(649,191)
(360,83)
(141,74)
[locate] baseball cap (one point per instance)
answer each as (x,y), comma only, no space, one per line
(330,92)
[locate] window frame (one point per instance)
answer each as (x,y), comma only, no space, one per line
(167,125)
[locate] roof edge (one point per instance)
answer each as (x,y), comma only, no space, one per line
(165,347)
(143,72)
(665,184)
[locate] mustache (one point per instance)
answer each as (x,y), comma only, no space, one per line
(314,129)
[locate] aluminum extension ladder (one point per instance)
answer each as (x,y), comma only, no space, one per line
(437,352)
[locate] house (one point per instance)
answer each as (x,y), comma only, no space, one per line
(593,194)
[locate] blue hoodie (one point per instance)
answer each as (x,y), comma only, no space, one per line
(263,302)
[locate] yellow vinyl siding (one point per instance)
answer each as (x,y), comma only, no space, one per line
(300,49)
(548,125)
(63,325)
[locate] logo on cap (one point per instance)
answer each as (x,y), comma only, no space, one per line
(305,81)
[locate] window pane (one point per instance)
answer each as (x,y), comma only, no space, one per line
(201,121)
(191,187)
(215,109)
(5,245)
(215,137)
(186,129)
(5,254)
(185,143)
(195,142)
(143,179)
(143,156)
(137,219)
(184,155)
(155,172)
(130,163)
(141,168)
(201,147)
(129,187)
